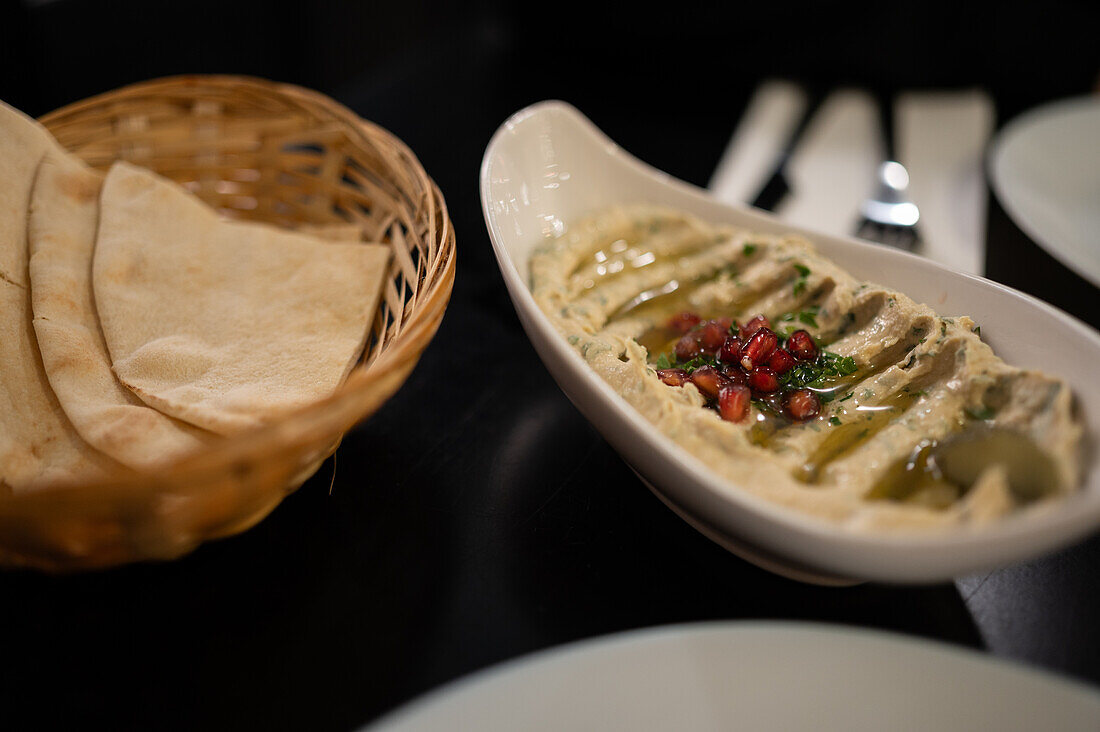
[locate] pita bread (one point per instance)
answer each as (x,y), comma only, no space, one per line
(332,232)
(224,324)
(37,442)
(64,211)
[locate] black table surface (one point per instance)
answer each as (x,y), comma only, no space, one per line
(477,516)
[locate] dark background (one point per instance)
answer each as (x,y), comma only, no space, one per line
(477,516)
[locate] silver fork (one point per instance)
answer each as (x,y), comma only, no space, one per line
(887,215)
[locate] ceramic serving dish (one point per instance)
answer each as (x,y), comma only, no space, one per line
(753,676)
(548,165)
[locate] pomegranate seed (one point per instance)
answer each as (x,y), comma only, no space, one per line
(734,373)
(672,377)
(730,352)
(781,362)
(683,322)
(801,345)
(802,404)
(757,322)
(687,347)
(726,323)
(758,348)
(708,381)
(763,380)
(733,402)
(711,337)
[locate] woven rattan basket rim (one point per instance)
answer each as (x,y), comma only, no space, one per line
(365,389)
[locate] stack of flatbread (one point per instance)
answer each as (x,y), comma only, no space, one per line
(137,326)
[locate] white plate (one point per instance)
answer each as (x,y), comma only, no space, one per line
(1045,169)
(548,165)
(754,676)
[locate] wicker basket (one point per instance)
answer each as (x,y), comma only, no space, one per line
(257,150)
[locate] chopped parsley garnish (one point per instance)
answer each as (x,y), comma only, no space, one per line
(837,365)
(748,250)
(847,396)
(834,420)
(800,283)
(698,362)
(663,362)
(807,316)
(827,366)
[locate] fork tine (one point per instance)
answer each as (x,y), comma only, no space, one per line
(900,237)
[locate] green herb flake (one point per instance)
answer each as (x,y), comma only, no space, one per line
(834,420)
(699,362)
(748,250)
(847,396)
(802,270)
(807,317)
(663,362)
(573,340)
(980,413)
(826,367)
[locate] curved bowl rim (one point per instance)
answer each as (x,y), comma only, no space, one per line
(905,557)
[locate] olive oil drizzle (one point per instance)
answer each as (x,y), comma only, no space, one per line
(845,437)
(936,473)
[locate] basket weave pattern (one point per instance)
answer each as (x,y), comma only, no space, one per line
(270,152)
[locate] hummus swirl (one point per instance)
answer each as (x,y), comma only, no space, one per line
(924,382)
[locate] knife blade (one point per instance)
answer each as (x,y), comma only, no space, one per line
(776,187)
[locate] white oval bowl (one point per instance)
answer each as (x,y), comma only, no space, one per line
(764,677)
(548,165)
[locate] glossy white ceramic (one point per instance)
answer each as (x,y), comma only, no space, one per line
(1045,168)
(754,676)
(548,165)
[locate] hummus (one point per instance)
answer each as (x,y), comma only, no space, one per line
(925,390)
